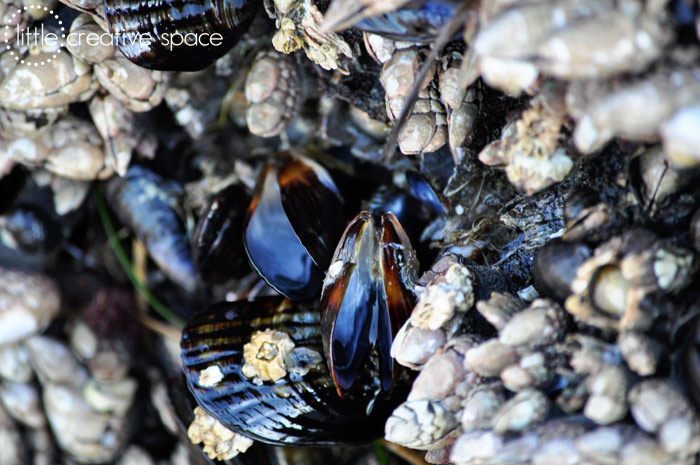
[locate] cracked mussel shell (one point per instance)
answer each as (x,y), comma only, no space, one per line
(172,35)
(217,242)
(293,224)
(367,296)
(296,409)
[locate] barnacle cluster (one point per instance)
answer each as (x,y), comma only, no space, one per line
(540,157)
(219,442)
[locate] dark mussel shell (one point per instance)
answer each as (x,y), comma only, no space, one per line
(367,296)
(296,409)
(151,33)
(421,24)
(29,229)
(145,202)
(217,242)
(421,189)
(294,221)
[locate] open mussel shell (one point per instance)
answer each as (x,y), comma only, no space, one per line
(294,410)
(173,35)
(293,223)
(217,242)
(367,296)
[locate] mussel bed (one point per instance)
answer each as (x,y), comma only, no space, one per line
(513,279)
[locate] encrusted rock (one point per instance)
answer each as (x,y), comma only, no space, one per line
(529,147)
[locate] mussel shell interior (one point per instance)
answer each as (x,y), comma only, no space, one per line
(274,249)
(313,207)
(365,300)
(296,410)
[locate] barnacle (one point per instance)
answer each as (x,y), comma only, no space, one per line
(265,355)
(219,442)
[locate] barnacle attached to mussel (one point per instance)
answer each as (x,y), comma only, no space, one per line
(246,342)
(367,296)
(294,220)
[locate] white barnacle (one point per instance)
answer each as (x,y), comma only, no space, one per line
(672,269)
(286,39)
(447,295)
(265,355)
(419,424)
(219,442)
(210,376)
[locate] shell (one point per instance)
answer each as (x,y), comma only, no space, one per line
(217,243)
(145,30)
(273,91)
(367,296)
(421,188)
(297,214)
(144,201)
(421,24)
(556,265)
(294,410)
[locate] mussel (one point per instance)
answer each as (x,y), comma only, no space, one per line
(300,407)
(294,221)
(367,296)
(421,189)
(420,24)
(217,242)
(29,229)
(146,202)
(178,35)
